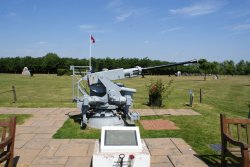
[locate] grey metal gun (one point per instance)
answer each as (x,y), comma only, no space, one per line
(108,103)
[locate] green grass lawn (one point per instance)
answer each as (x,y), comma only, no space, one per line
(229,95)
(37,91)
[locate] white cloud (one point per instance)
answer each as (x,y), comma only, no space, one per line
(241,27)
(239,14)
(124,12)
(129,13)
(171,29)
(123,16)
(196,9)
(88,28)
(175,28)
(238,29)
(165,18)
(114,3)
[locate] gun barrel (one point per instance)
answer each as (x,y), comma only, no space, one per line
(170,65)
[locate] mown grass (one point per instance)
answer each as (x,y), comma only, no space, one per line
(71,129)
(37,91)
(229,95)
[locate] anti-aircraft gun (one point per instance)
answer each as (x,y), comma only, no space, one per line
(109,103)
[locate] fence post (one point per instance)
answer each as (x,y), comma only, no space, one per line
(191,98)
(200,95)
(14,94)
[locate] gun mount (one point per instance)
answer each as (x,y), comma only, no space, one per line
(108,103)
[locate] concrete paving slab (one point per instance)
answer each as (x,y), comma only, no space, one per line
(73,150)
(178,141)
(82,141)
(38,117)
(32,165)
(25,129)
(28,122)
(44,123)
(158,124)
(158,142)
(79,161)
(181,112)
(148,112)
(58,142)
(186,149)
(26,156)
(58,123)
(49,150)
(161,165)
(57,117)
(145,112)
(22,139)
(46,130)
(165,151)
(171,111)
(159,159)
(186,161)
(183,146)
(162,112)
(91,149)
(20,143)
(24,136)
(48,160)
(22,165)
(187,111)
(43,136)
(37,144)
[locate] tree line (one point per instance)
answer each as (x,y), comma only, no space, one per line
(51,63)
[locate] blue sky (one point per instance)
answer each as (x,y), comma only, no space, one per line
(171,30)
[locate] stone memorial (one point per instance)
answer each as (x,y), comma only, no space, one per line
(120,146)
(26,71)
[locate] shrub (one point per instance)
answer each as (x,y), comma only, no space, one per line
(61,71)
(156,90)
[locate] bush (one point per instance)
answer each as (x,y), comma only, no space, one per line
(61,71)
(156,90)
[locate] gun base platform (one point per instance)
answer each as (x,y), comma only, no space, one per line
(99,122)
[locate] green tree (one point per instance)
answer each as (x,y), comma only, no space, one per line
(50,62)
(241,67)
(215,67)
(229,67)
(247,67)
(205,67)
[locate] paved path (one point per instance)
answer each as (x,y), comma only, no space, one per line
(35,147)
(148,112)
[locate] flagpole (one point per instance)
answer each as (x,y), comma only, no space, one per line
(90,68)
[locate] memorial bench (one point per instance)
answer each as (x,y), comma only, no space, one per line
(7,132)
(235,139)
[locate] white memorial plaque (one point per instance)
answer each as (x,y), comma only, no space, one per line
(120,146)
(120,139)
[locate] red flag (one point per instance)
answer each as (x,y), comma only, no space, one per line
(92,39)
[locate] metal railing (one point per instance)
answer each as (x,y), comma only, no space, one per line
(78,72)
